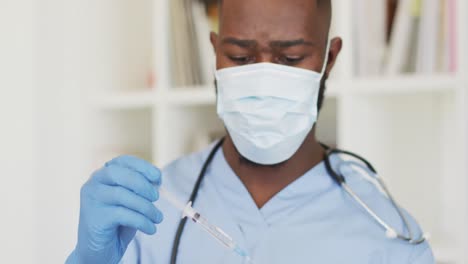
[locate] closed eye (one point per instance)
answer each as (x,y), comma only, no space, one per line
(240,59)
(291,60)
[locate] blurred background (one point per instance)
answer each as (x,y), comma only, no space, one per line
(82,81)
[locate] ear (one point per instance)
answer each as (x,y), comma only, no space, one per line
(214,41)
(335,49)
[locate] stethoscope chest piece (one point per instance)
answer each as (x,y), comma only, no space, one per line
(365,167)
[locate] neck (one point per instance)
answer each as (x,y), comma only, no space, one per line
(263,182)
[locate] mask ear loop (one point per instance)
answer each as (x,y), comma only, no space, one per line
(325,62)
(215,83)
(213,71)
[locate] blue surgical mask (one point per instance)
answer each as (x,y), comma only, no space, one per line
(268,109)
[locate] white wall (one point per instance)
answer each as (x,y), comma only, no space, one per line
(41,138)
(60,88)
(16,131)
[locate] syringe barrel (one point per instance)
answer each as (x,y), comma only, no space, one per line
(215,231)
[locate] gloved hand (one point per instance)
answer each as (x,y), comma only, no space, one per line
(116,202)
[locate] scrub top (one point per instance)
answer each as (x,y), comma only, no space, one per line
(312,220)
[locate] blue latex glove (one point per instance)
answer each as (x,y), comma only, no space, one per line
(116,202)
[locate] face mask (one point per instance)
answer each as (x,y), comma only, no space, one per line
(268,109)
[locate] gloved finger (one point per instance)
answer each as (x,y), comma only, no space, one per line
(126,235)
(115,175)
(147,169)
(121,216)
(119,196)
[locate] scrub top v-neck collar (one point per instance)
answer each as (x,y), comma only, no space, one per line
(255,222)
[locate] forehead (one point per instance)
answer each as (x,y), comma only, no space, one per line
(272,19)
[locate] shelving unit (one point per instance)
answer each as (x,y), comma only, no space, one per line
(413,127)
(205,95)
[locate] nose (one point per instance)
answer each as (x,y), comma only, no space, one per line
(265,56)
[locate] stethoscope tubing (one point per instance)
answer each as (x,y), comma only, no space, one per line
(337,177)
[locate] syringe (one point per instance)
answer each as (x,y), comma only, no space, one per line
(214,231)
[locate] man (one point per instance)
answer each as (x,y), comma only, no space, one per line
(267,185)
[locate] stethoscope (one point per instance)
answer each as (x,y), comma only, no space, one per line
(338,177)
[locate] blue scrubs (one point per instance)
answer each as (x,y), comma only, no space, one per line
(310,221)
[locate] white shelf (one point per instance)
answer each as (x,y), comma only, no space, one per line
(205,95)
(145,99)
(124,100)
(196,95)
(386,85)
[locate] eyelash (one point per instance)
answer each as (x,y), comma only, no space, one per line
(240,59)
(291,60)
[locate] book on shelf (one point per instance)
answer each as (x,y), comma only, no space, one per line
(370,36)
(415,36)
(193,56)
(390,37)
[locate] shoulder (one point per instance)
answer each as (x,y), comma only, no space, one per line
(371,189)
(367,189)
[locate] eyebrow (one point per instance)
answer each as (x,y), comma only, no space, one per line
(249,43)
(290,43)
(244,43)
